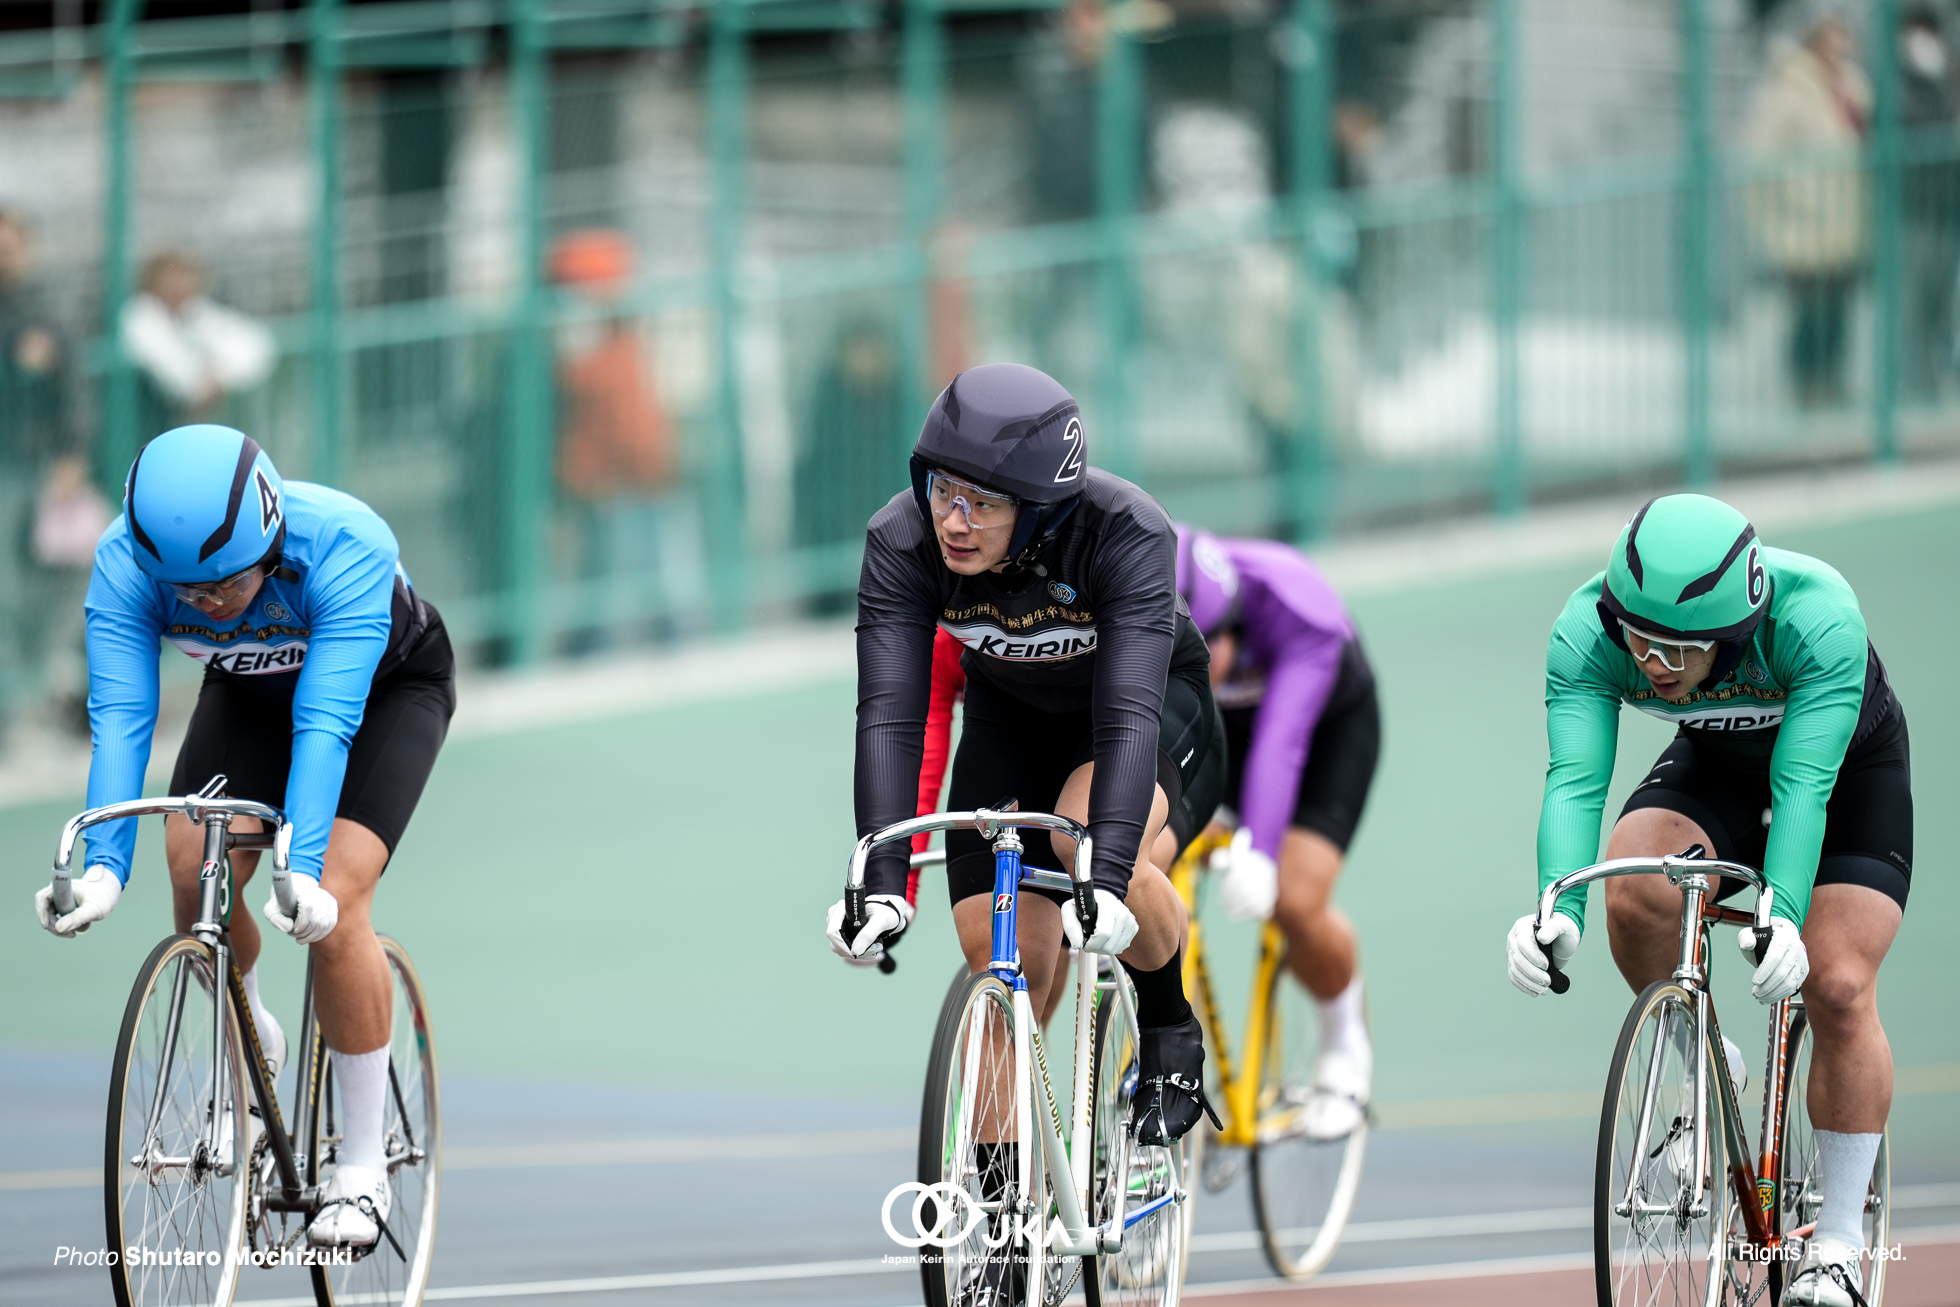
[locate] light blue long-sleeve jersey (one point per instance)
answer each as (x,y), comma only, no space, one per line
(317,630)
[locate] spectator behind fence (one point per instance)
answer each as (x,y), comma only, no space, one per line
(1808,120)
(1929,109)
(190,353)
(50,516)
(630,527)
(854,444)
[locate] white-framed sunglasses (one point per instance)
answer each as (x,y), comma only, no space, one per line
(1673,654)
(983,509)
(215,592)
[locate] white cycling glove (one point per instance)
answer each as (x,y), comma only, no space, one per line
(1785,964)
(315,911)
(1527,950)
(1116,925)
(96,895)
(884,914)
(1249,880)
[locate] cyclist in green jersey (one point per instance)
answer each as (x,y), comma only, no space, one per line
(1790,756)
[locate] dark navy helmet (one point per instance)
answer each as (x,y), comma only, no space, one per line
(203,503)
(1014,430)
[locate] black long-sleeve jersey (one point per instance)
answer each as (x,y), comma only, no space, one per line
(1100,626)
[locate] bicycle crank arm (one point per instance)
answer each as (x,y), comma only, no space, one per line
(306,1201)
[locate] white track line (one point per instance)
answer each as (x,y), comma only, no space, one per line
(1420,1230)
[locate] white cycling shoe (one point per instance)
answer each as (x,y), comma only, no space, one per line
(1337,1104)
(354,1208)
(1830,1275)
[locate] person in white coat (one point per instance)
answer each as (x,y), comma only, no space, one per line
(191,351)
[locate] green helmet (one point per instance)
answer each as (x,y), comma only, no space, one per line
(1689,567)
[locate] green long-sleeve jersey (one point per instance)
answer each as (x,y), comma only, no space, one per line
(1805,680)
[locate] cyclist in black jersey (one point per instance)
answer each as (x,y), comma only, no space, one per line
(1088,694)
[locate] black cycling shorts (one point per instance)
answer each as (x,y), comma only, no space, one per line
(1346,743)
(1867,821)
(248,736)
(1009,750)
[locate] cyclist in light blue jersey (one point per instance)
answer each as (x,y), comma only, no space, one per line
(328,688)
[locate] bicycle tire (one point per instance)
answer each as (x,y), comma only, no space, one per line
(1681,1269)
(1149,1269)
(1296,1179)
(175,1212)
(974,1033)
(413,1137)
(1798,1198)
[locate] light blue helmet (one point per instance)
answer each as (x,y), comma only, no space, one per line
(203,503)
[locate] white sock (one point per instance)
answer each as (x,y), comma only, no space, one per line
(1343,1023)
(362,1079)
(259,1015)
(1844,1165)
(1738,1069)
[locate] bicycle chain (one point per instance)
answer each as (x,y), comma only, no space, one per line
(257,1217)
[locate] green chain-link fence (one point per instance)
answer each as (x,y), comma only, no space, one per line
(624,314)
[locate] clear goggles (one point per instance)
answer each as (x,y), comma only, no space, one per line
(984,510)
(215,592)
(1673,654)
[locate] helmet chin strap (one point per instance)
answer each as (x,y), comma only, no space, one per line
(1047,525)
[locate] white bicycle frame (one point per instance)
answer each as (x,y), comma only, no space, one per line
(1071,1235)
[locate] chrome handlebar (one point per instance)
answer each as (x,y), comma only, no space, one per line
(990,823)
(192,806)
(1689,873)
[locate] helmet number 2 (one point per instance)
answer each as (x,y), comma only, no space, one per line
(1071,461)
(1755,576)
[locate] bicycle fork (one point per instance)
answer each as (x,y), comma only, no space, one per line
(1072,1235)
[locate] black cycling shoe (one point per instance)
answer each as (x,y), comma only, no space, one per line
(1171,1082)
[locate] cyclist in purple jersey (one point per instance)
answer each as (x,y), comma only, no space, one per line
(1302,734)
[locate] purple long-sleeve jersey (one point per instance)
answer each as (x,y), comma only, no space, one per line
(1294,628)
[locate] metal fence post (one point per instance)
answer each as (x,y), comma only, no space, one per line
(1119,112)
(727,123)
(1508,217)
(119,401)
(1697,209)
(323,72)
(923,88)
(1313,76)
(1886,234)
(527,473)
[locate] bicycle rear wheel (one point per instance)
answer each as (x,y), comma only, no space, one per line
(982,1234)
(174,1172)
(1802,1194)
(1303,1189)
(1656,1251)
(1127,1178)
(395,1270)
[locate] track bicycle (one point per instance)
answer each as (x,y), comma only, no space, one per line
(1303,1189)
(1669,1228)
(1009,1200)
(201,1176)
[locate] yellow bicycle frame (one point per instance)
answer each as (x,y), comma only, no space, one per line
(1243,1095)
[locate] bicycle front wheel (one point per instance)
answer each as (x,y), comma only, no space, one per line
(1652,1244)
(982,1240)
(396,1269)
(1129,1183)
(1801,1194)
(1303,1188)
(177,1137)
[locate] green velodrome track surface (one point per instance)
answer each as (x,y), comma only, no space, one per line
(639,900)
